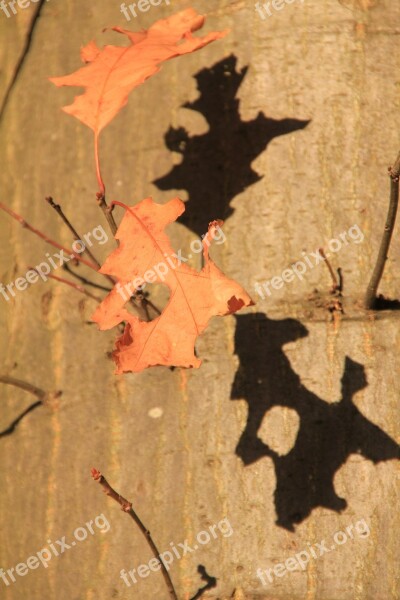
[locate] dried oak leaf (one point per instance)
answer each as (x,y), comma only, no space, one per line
(113,72)
(195,296)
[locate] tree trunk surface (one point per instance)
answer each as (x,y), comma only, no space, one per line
(287,437)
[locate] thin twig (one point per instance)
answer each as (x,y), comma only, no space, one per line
(45,237)
(76,235)
(335,282)
(75,286)
(126,506)
(370,296)
(78,288)
(107,211)
(145,304)
(72,229)
(24,385)
(44,398)
(140,305)
(29,35)
(84,280)
(138,301)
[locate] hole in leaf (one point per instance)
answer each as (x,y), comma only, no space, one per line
(157,296)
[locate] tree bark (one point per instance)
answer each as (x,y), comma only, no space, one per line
(275,432)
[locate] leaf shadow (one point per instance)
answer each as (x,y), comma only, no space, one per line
(328,432)
(383,303)
(216,166)
(211,582)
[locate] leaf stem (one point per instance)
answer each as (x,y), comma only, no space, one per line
(97,163)
(126,506)
(370,296)
(101,194)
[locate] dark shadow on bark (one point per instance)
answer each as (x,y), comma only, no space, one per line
(211,582)
(382,303)
(328,432)
(216,166)
(11,428)
(44,399)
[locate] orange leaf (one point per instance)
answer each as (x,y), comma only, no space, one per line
(113,72)
(195,296)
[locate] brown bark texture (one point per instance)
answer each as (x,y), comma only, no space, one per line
(287,437)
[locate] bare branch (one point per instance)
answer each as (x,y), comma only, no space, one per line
(107,211)
(72,229)
(45,237)
(126,506)
(78,288)
(43,398)
(336,285)
(370,296)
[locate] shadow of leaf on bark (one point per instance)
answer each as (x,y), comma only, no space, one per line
(328,432)
(211,582)
(216,166)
